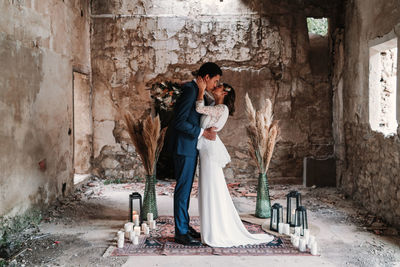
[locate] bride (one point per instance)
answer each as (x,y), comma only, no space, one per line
(220,224)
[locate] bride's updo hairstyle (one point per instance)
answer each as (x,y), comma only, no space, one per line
(209,68)
(229,99)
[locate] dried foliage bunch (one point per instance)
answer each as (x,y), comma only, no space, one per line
(263,133)
(148,139)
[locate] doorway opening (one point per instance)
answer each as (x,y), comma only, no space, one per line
(83,130)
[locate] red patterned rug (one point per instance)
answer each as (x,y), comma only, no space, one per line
(161,242)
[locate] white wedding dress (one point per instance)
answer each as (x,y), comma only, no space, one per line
(220,224)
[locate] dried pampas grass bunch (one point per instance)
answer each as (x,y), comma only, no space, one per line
(263,133)
(148,139)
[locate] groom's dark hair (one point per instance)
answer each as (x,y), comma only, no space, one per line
(209,68)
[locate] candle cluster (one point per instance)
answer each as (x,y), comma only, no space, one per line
(296,219)
(133,230)
(305,241)
(300,239)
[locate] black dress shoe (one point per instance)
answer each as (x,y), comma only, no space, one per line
(193,232)
(186,240)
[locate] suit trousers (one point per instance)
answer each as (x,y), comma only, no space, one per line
(184,168)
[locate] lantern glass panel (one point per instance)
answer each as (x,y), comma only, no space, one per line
(280,214)
(275,217)
(135,206)
(293,206)
(300,222)
(301,219)
(293,202)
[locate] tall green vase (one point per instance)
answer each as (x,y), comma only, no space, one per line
(150,201)
(263,205)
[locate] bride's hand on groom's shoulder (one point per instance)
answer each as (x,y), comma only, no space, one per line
(210,133)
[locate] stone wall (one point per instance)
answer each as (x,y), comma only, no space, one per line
(371,171)
(41,42)
(263,48)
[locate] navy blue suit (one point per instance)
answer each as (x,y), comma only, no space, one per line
(185,133)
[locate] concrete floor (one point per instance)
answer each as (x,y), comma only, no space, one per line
(86,228)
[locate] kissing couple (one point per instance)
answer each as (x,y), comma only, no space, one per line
(201,111)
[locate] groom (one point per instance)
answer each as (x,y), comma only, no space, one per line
(186,131)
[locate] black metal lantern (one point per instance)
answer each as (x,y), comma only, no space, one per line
(276,217)
(135,206)
(293,202)
(301,219)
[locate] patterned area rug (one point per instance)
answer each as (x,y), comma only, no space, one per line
(161,242)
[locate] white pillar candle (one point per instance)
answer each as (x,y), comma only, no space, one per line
(128,227)
(146,230)
(297,231)
(314,248)
(302,244)
(121,234)
(136,220)
(280,228)
(311,239)
(144,225)
(137,230)
(287,229)
(306,235)
(120,243)
(131,235)
(153,225)
(135,240)
(149,217)
(134,212)
(296,241)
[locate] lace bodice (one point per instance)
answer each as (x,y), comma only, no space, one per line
(214,116)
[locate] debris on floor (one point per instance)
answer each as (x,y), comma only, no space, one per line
(91,209)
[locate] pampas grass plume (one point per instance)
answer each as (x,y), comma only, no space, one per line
(263,133)
(147,138)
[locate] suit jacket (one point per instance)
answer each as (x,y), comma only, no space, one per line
(186,123)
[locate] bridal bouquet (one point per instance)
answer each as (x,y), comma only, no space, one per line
(263,132)
(148,139)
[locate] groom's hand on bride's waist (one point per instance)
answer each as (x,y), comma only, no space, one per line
(210,133)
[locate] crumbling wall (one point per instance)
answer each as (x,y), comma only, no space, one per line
(371,170)
(263,48)
(40,44)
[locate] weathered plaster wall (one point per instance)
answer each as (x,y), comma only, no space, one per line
(263,48)
(371,172)
(40,44)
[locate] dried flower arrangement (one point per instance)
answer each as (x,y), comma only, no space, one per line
(165,95)
(148,139)
(263,133)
